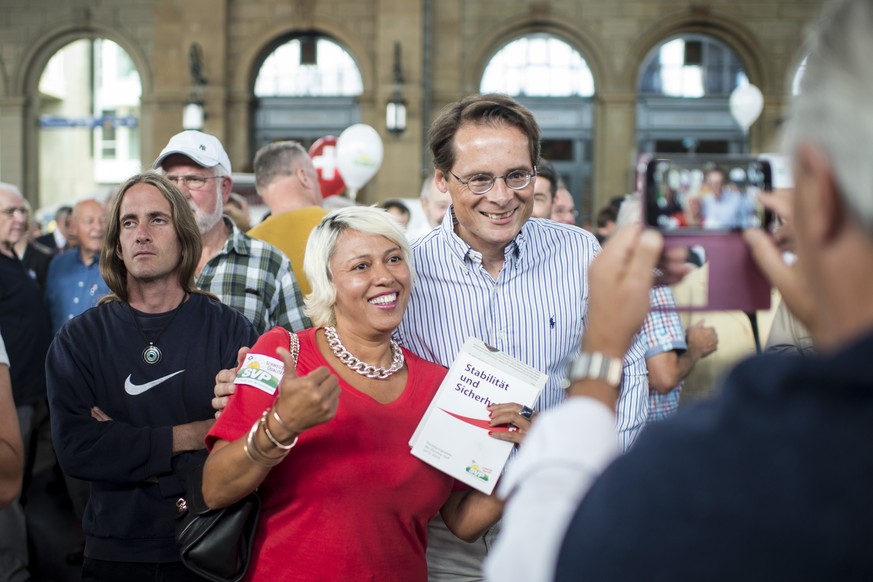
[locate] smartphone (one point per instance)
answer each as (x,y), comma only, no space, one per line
(781,173)
(703,203)
(706,195)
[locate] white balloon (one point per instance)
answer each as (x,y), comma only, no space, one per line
(746,102)
(359,156)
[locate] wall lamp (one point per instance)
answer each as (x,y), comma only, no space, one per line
(194,113)
(395,109)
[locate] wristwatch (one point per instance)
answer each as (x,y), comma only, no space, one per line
(596,366)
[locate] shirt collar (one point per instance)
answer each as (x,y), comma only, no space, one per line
(237,241)
(78,255)
(464,252)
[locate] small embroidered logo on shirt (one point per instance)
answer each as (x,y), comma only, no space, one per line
(552,322)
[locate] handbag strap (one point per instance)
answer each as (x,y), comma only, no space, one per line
(294,347)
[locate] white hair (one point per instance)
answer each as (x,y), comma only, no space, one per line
(834,110)
(11,188)
(427,185)
(322,244)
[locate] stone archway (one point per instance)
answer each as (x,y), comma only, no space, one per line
(305,101)
(706,122)
(242,99)
(26,88)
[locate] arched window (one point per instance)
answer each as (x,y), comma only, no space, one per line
(307,87)
(89,106)
(692,66)
(538,65)
(684,88)
(309,66)
(553,80)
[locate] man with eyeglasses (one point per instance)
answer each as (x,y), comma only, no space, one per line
(35,257)
(252,276)
(564,209)
(519,285)
(25,326)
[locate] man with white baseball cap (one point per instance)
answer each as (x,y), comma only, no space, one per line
(252,276)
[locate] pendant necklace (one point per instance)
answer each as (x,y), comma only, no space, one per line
(363,368)
(152,354)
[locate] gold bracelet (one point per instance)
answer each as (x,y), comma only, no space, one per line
(254,453)
(275,409)
(266,422)
(255,460)
(260,458)
(248,451)
(251,449)
(259,452)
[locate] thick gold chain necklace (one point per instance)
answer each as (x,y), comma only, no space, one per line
(363,368)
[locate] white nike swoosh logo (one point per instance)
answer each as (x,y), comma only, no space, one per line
(137,389)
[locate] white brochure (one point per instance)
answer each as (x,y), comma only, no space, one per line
(453,433)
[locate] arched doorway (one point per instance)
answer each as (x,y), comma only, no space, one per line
(549,76)
(89,111)
(684,87)
(306,87)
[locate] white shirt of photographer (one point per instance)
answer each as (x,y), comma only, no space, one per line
(565,451)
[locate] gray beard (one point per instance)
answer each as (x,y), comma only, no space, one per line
(205,222)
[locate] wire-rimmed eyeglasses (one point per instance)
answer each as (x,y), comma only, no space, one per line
(191,181)
(562,211)
(482,183)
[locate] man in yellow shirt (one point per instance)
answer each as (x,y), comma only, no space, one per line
(286,179)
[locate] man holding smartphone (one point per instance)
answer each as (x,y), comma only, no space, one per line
(770,480)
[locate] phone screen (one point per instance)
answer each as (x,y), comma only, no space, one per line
(706,195)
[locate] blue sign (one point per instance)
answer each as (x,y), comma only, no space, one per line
(89,121)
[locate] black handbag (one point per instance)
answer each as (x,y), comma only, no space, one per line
(216,543)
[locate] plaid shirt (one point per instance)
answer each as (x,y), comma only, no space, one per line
(256,279)
(662,332)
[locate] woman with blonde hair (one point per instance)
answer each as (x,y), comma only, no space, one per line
(325,441)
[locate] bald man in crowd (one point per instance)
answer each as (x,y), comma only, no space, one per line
(74,283)
(434,202)
(563,208)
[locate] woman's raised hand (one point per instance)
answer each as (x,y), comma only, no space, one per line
(306,401)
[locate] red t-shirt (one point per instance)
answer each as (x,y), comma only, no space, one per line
(349,502)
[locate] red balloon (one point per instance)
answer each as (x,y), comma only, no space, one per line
(323,154)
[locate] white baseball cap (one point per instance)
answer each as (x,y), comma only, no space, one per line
(203,149)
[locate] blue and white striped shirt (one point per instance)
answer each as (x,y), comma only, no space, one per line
(534,311)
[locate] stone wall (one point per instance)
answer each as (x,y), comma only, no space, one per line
(613,36)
